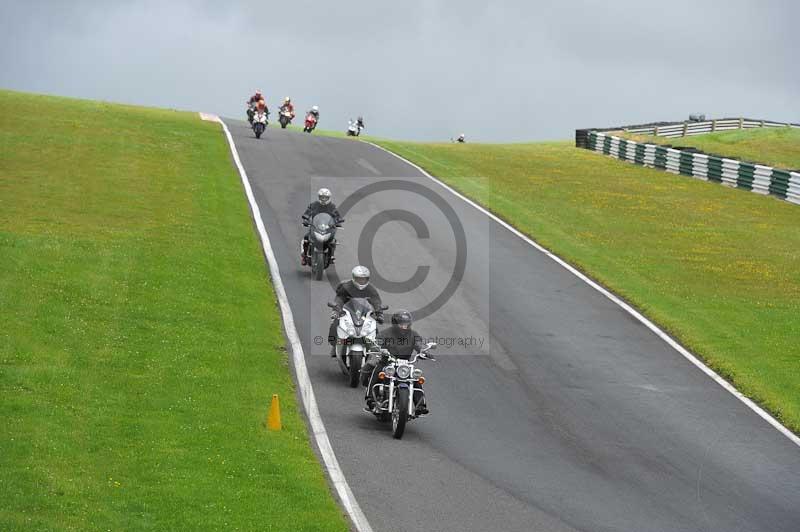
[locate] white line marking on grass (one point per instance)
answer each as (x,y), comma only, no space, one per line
(630,310)
(301,371)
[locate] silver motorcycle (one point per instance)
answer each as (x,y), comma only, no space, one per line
(398,389)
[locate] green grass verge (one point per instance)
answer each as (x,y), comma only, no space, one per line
(771,146)
(716,267)
(140,341)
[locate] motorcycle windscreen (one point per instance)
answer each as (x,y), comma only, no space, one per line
(323,223)
(358,307)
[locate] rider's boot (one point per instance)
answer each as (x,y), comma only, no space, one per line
(370,405)
(304,252)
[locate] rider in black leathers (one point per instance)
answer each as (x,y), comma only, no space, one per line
(323,204)
(358,287)
(401,341)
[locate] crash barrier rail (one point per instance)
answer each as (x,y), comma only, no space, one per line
(685,128)
(758,178)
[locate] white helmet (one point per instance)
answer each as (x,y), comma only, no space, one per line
(361,276)
(324,196)
(315,108)
(287,100)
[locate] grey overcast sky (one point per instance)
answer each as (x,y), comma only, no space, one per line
(419,69)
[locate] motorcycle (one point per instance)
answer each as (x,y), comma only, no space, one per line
(321,234)
(259,123)
(395,389)
(356,329)
(311,123)
(354,129)
(285,118)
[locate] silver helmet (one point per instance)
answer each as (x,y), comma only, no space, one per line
(361,276)
(324,196)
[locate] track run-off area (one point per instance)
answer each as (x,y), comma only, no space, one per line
(552,408)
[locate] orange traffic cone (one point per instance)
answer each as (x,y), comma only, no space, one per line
(274,416)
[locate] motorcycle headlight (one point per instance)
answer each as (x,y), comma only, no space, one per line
(369,327)
(346,325)
(389,371)
(322,236)
(347,331)
(417,374)
(403,372)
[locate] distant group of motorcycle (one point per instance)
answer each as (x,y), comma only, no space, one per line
(384,362)
(258,112)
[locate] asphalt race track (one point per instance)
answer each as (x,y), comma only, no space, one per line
(570,415)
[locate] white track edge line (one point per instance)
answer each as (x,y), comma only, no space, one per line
(298,357)
(630,310)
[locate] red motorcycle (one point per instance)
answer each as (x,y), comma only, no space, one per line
(311,123)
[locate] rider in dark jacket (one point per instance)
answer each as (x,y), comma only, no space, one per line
(251,104)
(287,106)
(323,204)
(401,341)
(255,97)
(358,287)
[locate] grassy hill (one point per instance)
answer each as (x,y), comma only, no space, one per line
(140,341)
(716,267)
(772,146)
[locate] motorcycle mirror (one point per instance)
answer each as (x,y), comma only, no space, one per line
(384,307)
(432,345)
(332,305)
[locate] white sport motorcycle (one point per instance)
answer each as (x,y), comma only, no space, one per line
(398,388)
(357,328)
(354,129)
(259,123)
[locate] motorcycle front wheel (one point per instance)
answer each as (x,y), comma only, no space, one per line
(318,266)
(400,413)
(355,370)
